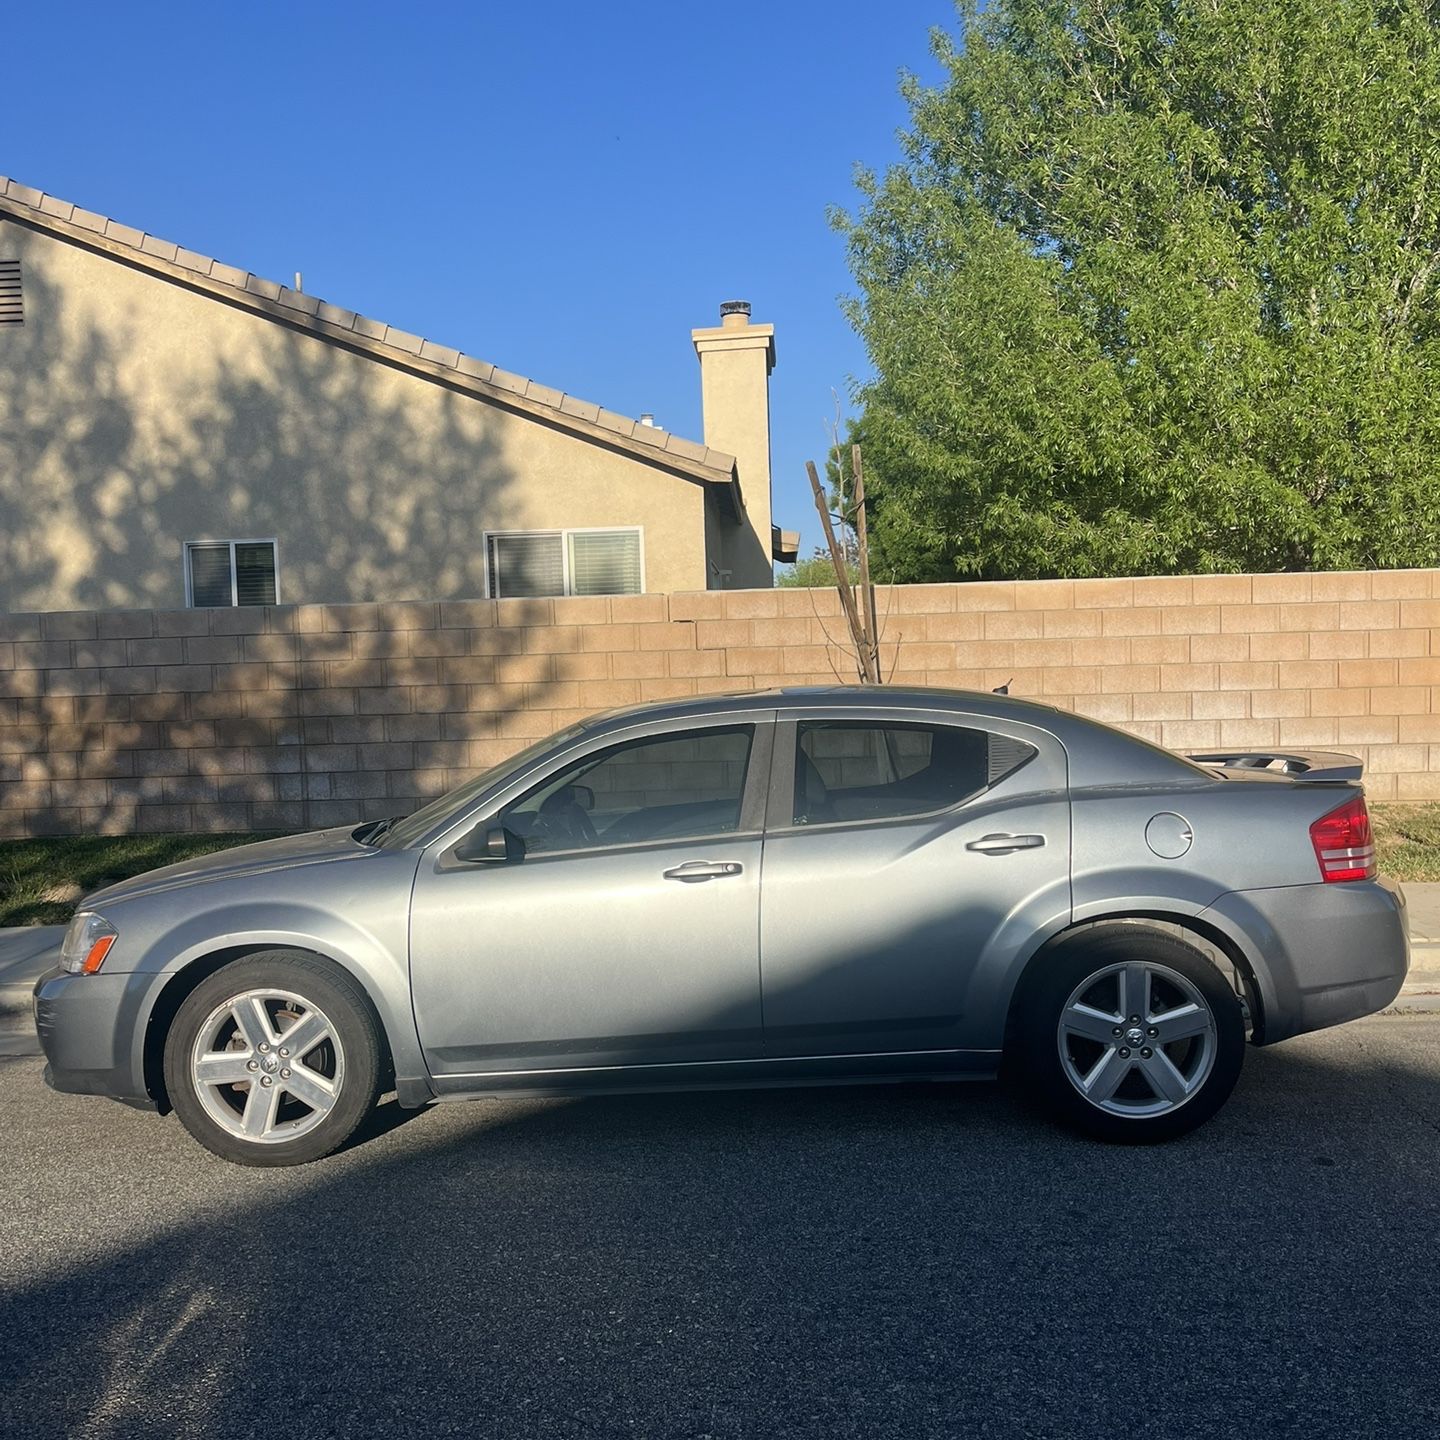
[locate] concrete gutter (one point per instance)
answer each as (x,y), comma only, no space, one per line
(25,952)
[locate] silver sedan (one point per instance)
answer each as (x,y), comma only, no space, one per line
(796,886)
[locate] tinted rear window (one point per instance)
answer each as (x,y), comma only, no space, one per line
(846,770)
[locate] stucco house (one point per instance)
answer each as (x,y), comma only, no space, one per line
(174,431)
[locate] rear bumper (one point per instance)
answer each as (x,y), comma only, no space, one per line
(86,1025)
(1322,954)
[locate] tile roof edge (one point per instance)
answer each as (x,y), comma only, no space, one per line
(424,357)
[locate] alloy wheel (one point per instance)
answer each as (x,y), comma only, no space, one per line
(267,1066)
(1137,1039)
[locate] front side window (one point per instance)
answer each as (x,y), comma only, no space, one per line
(665,787)
(849,770)
(527,563)
(231,572)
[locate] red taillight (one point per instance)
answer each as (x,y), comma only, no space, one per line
(1343,844)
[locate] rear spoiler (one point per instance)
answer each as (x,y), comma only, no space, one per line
(1298,764)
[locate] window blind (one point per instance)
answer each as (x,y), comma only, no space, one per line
(254,573)
(605,562)
(210,575)
(526,565)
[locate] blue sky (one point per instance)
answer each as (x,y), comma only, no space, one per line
(563,190)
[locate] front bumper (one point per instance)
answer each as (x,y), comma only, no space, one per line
(87,1025)
(1322,954)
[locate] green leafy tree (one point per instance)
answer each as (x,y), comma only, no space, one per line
(1154,290)
(818,570)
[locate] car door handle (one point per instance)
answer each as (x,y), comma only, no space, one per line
(704,870)
(1004,844)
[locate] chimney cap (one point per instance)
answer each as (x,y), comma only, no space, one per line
(734,307)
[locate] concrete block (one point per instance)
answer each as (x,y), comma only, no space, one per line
(697,605)
(20,626)
(70,625)
(414,669)
(453,641)
(124,624)
(181,622)
(248,676)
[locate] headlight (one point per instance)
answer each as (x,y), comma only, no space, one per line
(87,943)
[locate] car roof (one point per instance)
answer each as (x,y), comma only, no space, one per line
(837,697)
(1100,755)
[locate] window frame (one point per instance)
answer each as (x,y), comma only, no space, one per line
(780,811)
(235,604)
(754,798)
(563,535)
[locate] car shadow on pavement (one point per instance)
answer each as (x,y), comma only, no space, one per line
(890,1260)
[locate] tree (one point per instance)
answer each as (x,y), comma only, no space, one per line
(816,571)
(1154,290)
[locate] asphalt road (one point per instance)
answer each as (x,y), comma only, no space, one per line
(849,1262)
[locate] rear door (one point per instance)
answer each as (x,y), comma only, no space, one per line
(907,861)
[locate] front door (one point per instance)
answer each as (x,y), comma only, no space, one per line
(907,863)
(627,935)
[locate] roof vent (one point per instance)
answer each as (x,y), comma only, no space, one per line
(12,305)
(735,307)
(648,419)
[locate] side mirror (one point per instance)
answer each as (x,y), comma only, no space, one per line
(583,796)
(490,845)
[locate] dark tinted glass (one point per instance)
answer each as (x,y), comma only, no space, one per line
(255,573)
(668,787)
(210,575)
(860,771)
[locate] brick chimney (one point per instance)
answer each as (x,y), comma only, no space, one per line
(736,359)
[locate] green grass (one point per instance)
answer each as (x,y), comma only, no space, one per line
(1407,840)
(41,880)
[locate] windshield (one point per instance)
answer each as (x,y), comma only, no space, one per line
(406,832)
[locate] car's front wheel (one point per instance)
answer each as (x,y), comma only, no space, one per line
(1130,1034)
(273,1060)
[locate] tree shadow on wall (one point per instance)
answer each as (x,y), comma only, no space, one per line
(375,483)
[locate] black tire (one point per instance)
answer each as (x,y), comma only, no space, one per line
(1062,973)
(355,1063)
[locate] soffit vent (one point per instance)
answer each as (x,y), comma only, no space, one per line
(12,307)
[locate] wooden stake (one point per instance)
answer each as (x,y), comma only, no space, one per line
(842,579)
(867,589)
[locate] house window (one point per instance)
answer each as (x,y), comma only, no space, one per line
(523,563)
(231,572)
(12,303)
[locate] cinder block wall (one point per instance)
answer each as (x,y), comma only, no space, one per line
(298,716)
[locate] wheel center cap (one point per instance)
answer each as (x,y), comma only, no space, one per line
(1134,1037)
(269,1064)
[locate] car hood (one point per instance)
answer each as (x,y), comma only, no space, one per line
(319,847)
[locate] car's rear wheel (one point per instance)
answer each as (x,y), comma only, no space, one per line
(1130,1035)
(273,1060)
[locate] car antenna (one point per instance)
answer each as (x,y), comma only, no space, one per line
(1003,689)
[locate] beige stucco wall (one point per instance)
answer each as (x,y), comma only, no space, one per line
(136,414)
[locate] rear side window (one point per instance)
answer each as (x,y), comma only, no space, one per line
(846,770)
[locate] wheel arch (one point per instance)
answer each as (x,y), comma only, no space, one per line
(181,983)
(1206,937)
